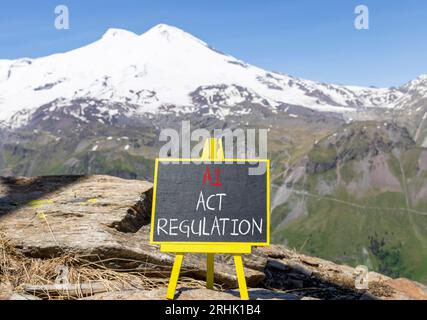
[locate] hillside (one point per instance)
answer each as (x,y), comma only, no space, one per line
(360,199)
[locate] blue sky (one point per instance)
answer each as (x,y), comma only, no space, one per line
(306,38)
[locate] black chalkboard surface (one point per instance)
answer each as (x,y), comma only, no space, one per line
(210,203)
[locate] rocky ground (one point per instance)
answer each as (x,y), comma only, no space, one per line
(86,237)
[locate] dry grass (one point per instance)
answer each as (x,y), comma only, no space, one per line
(17,271)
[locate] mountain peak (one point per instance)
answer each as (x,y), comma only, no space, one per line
(169,33)
(165,29)
(115,33)
(421,80)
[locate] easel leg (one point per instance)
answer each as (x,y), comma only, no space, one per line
(174,276)
(210,271)
(241,277)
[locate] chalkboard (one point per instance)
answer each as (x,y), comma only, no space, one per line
(210,203)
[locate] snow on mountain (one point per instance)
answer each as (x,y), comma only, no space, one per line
(415,92)
(164,67)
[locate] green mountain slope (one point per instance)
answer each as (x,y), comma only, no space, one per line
(362,200)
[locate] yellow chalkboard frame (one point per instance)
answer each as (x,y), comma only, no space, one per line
(212,152)
(197,244)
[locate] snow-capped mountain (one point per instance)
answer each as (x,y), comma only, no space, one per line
(165,68)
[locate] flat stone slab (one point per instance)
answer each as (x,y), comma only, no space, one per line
(102,218)
(192,294)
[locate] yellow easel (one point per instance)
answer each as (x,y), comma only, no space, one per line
(212,151)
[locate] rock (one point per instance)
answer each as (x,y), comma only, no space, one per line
(296,271)
(367,296)
(192,294)
(377,277)
(314,262)
(155,294)
(102,218)
(299,268)
(160,294)
(275,251)
(206,294)
(264,294)
(309,298)
(20,296)
(323,279)
(70,213)
(407,290)
(257,260)
(278,265)
(254,294)
(66,289)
